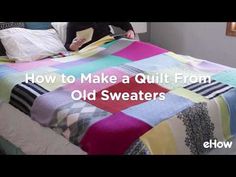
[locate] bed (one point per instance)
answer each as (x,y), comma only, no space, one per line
(20,135)
(191,114)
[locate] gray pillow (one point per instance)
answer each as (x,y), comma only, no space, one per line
(6,25)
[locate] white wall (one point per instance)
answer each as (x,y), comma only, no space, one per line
(200,40)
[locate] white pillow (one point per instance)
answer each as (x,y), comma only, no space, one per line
(61,28)
(28,45)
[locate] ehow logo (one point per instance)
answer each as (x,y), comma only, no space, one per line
(217,144)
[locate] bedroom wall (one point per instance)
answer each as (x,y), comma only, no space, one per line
(200,40)
(143,36)
(146,36)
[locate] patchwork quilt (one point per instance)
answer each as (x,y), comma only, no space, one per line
(191,114)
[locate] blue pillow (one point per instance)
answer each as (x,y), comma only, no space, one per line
(38,25)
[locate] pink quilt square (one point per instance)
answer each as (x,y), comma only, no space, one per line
(113,135)
(139,50)
(32,65)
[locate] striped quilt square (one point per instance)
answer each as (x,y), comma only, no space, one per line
(139,50)
(24,94)
(210,89)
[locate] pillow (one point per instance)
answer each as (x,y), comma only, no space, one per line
(38,25)
(6,25)
(28,45)
(61,28)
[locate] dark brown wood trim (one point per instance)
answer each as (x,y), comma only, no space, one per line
(231,29)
